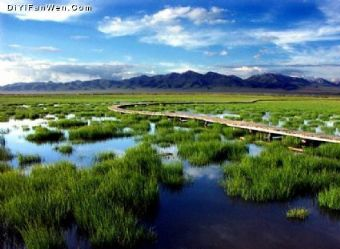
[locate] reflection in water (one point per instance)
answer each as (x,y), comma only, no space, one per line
(200,215)
(203,216)
(82,155)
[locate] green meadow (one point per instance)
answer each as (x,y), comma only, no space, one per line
(110,201)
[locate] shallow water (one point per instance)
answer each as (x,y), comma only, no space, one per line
(82,155)
(201,215)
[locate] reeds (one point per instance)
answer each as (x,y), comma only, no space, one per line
(43,135)
(278,174)
(65,149)
(28,159)
(326,150)
(41,237)
(5,154)
(4,167)
(96,132)
(204,152)
(297,213)
(173,174)
(106,205)
(104,156)
(330,198)
(67,123)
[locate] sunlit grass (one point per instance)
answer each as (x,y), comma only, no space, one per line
(42,135)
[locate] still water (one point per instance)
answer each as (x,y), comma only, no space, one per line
(201,215)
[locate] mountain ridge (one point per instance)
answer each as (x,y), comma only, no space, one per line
(188,80)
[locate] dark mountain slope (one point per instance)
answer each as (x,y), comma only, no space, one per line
(182,81)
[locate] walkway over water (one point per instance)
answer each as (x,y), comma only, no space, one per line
(251,126)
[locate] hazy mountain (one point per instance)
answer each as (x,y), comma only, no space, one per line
(187,81)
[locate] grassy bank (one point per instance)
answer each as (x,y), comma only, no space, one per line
(278,174)
(107,201)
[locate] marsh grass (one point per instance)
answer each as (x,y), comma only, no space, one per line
(330,198)
(326,150)
(172,175)
(4,167)
(43,135)
(5,154)
(64,149)
(104,156)
(106,201)
(37,236)
(278,174)
(28,159)
(98,131)
(291,141)
(165,137)
(208,136)
(297,214)
(67,123)
(201,153)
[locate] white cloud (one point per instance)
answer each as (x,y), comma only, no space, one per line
(223,53)
(55,16)
(79,37)
(331,8)
(18,68)
(177,36)
(215,53)
(49,49)
(299,35)
(167,27)
(315,56)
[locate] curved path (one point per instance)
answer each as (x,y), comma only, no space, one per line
(232,123)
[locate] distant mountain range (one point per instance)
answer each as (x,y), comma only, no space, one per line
(188,81)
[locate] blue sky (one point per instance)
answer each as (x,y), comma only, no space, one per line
(122,39)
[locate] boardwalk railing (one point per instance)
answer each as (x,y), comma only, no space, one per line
(232,123)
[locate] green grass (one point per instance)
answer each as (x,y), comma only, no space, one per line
(67,123)
(278,174)
(64,149)
(297,213)
(95,132)
(41,237)
(28,159)
(172,174)
(165,137)
(4,167)
(326,150)
(106,201)
(5,154)
(291,141)
(204,152)
(43,135)
(104,156)
(330,198)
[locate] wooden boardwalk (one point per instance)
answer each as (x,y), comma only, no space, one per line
(251,126)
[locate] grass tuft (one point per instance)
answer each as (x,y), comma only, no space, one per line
(5,154)
(67,123)
(43,135)
(65,149)
(297,213)
(104,156)
(28,159)
(172,174)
